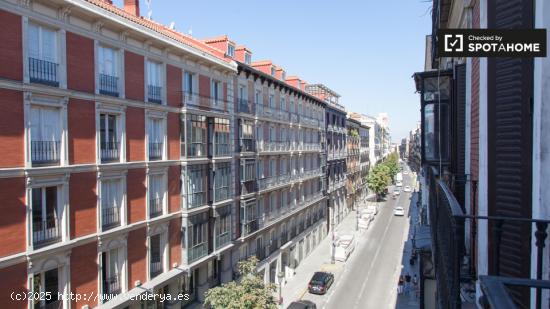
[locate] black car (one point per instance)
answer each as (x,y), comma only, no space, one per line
(320,282)
(302,304)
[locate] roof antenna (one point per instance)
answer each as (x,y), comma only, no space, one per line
(150,12)
(173,25)
(190,31)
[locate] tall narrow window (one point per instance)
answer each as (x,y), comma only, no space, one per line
(42,51)
(221,137)
(221,182)
(198,241)
(45,136)
(156,138)
(196,141)
(111,272)
(222,230)
(156,195)
(108,77)
(189,84)
(46,283)
(154,82)
(45,216)
(247,58)
(155,256)
(196,185)
(108,138)
(216,93)
(111,201)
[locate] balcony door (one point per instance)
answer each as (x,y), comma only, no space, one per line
(45,136)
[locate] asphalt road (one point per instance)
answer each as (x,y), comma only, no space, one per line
(370,276)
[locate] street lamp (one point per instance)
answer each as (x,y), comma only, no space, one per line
(280,276)
(333,255)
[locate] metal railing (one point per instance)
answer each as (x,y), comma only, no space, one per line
(155,266)
(111,285)
(197,251)
(222,240)
(250,227)
(155,207)
(108,85)
(45,152)
(221,193)
(222,149)
(110,217)
(155,150)
(247,145)
(196,149)
(196,199)
(43,72)
(248,186)
(45,231)
(154,94)
(245,106)
(109,151)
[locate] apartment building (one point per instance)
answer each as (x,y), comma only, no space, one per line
(364,152)
(336,152)
(484,124)
(353,162)
(116,172)
(279,160)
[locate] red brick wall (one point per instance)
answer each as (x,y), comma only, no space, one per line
(83,201)
(12,222)
(135,188)
(173,85)
(137,257)
(84,267)
(174,199)
(14,279)
(175,241)
(80,63)
(11,53)
(173,136)
(12,128)
(134,76)
(81,119)
(204,90)
(135,134)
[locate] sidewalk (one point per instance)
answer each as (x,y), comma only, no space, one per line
(318,260)
(410,300)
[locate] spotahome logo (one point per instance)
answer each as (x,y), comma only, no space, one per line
(491,43)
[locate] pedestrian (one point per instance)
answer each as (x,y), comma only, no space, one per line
(415,284)
(407,283)
(400,285)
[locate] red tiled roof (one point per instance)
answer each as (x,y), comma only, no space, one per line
(220,38)
(162,29)
(261,63)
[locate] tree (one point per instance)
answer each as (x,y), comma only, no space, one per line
(249,293)
(378,180)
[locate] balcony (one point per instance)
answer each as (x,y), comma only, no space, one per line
(154,94)
(222,240)
(247,145)
(155,150)
(274,146)
(109,152)
(43,72)
(244,106)
(110,217)
(248,186)
(197,251)
(221,194)
(271,113)
(111,285)
(196,150)
(45,232)
(155,207)
(196,199)
(155,267)
(45,152)
(250,227)
(108,85)
(221,150)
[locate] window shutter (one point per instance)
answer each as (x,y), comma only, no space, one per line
(510,91)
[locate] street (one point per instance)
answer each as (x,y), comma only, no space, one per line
(369,278)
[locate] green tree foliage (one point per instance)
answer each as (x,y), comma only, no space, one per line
(249,293)
(383,174)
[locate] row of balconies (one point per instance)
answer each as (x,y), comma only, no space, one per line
(336,129)
(282,146)
(287,179)
(244,106)
(337,154)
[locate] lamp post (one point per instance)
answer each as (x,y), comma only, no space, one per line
(280,276)
(333,255)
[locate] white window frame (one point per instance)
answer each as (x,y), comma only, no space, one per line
(162,79)
(216,92)
(41,264)
(153,173)
(106,244)
(120,113)
(31,99)
(119,67)
(162,116)
(162,230)
(112,175)
(230,50)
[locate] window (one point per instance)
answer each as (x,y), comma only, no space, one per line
(247,58)
(273,71)
(248,168)
(156,138)
(260,251)
(283,75)
(111,201)
(196,185)
(221,182)
(198,241)
(259,98)
(45,135)
(45,216)
(154,82)
(111,272)
(108,138)
(231,50)
(42,52)
(216,92)
(108,76)
(272,202)
(222,230)
(221,137)
(248,142)
(155,256)
(156,195)
(46,283)
(283,104)
(272,168)
(196,136)
(272,101)
(272,134)
(284,168)
(261,172)
(189,84)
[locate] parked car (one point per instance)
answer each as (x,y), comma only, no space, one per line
(405,173)
(320,282)
(399,184)
(398,211)
(302,304)
(407,189)
(396,192)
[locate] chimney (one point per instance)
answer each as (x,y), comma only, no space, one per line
(132,7)
(108,1)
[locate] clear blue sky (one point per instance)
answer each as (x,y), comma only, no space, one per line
(366,50)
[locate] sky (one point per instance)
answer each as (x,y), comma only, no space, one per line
(365,50)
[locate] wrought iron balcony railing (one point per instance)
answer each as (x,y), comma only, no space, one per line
(155,266)
(197,251)
(111,285)
(45,152)
(154,94)
(43,72)
(247,145)
(245,106)
(110,217)
(109,151)
(155,207)
(108,85)
(155,150)
(45,232)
